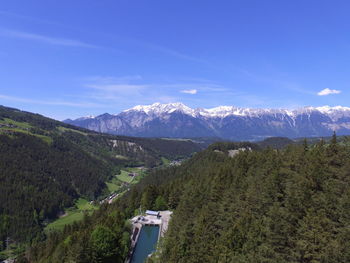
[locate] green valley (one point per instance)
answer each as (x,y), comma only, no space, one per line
(48,168)
(71,215)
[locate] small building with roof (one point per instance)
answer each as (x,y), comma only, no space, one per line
(153,213)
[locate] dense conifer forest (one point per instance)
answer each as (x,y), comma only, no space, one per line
(261,205)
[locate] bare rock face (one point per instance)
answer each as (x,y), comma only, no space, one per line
(179,121)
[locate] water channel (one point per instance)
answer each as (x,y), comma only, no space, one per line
(146,243)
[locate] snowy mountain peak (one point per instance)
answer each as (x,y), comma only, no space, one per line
(230,122)
(224,111)
(330,110)
(221,111)
(86,118)
(158,108)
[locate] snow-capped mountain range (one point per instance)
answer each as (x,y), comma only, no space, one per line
(229,122)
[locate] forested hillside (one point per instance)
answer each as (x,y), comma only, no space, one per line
(289,205)
(45,165)
(267,206)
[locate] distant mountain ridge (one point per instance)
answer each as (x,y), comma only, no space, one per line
(180,121)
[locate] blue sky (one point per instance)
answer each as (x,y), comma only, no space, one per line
(67,59)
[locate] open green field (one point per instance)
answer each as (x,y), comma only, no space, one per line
(121,157)
(134,169)
(165,161)
(82,206)
(64,129)
(46,139)
(141,173)
(75,213)
(22,127)
(124,176)
(116,182)
(113,185)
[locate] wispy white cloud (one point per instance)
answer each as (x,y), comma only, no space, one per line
(121,88)
(68,42)
(163,99)
(277,80)
(172,52)
(52,103)
(114,88)
(127,91)
(45,39)
(135,87)
(328,91)
(193,84)
(28,18)
(115,92)
(111,79)
(189,91)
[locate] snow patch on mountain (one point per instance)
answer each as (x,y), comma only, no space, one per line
(86,118)
(158,109)
(235,123)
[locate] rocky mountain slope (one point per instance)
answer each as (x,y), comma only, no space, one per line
(229,122)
